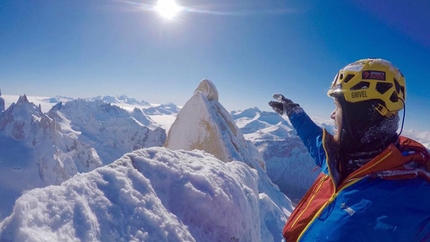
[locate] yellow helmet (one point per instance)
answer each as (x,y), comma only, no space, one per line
(371,79)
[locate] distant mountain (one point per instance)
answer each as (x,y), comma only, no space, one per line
(110,129)
(288,162)
(253,120)
(121,99)
(163,109)
(207,184)
(36,151)
(57,99)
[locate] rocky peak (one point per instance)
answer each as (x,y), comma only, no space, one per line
(23,120)
(23,99)
(204,124)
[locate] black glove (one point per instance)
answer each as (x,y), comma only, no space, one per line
(283,105)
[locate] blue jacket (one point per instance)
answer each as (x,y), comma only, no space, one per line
(388,199)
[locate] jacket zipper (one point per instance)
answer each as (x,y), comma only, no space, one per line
(331,199)
(314,192)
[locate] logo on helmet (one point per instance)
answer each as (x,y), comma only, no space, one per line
(359,94)
(375,75)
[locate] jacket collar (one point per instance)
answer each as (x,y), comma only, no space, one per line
(393,161)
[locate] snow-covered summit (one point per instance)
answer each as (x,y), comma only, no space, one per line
(262,125)
(204,124)
(247,113)
(208,89)
(23,120)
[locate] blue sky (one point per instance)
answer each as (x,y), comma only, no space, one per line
(249,49)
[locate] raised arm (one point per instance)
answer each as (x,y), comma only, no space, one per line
(310,133)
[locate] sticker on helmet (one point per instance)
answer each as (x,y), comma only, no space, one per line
(375,75)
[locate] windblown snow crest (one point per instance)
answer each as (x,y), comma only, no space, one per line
(152,194)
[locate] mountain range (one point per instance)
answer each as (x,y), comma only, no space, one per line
(232,198)
(189,165)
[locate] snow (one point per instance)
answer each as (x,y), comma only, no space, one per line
(22,167)
(153,194)
(165,121)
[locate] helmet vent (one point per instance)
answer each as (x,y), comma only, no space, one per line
(396,83)
(394,98)
(361,85)
(348,78)
(383,87)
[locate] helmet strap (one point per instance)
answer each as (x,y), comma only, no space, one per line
(404,115)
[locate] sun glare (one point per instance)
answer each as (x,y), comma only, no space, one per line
(168,8)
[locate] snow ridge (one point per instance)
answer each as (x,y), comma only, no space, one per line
(152,194)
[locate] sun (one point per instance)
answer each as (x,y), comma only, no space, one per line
(168,8)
